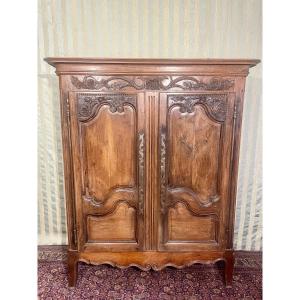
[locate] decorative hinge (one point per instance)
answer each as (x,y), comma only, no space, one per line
(141,157)
(163,169)
(235,111)
(68,107)
(75,235)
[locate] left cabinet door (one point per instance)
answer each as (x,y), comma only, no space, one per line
(108,153)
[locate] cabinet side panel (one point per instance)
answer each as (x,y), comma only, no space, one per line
(68,162)
(237,129)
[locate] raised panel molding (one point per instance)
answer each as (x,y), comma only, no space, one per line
(89,104)
(107,205)
(189,198)
(151,83)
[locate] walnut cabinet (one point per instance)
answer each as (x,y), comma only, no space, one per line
(151,151)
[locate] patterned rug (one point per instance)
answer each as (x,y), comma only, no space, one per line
(106,282)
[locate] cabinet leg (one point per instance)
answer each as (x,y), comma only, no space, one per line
(229,266)
(72,269)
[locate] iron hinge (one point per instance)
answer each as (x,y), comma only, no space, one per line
(68,107)
(235,112)
(75,235)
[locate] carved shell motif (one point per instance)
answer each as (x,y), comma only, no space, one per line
(216,104)
(151,83)
(88,104)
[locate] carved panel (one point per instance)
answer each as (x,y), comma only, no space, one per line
(169,197)
(191,151)
(151,83)
(108,147)
(216,104)
(194,151)
(88,104)
(191,175)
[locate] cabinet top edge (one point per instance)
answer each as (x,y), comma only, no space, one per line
(54,61)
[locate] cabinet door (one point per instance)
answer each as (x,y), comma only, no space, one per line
(108,142)
(195,145)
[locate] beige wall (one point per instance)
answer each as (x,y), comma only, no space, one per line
(153,28)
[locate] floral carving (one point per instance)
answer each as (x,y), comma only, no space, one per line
(215,84)
(186,103)
(216,104)
(88,104)
(151,83)
(154,83)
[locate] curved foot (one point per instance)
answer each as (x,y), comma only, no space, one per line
(72,268)
(229,265)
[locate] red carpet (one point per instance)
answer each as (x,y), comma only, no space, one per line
(106,282)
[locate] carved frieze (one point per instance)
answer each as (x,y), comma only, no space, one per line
(151,83)
(216,104)
(88,104)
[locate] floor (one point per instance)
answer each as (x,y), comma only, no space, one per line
(106,282)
